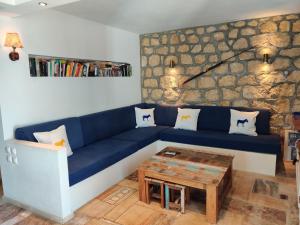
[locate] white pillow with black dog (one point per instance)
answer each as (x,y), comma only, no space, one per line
(144,117)
(243,122)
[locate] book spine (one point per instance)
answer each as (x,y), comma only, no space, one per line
(32,66)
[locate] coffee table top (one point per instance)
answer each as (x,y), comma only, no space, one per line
(188,167)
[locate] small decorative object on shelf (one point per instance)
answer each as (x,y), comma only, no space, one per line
(296,120)
(47,66)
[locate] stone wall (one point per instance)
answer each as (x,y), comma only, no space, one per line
(243,81)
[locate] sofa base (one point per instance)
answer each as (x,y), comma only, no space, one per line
(91,187)
(98,183)
(37,211)
(244,161)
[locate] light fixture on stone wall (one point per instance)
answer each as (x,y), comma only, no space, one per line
(266,58)
(172,64)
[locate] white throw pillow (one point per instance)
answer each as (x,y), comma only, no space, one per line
(57,137)
(243,122)
(187,119)
(144,117)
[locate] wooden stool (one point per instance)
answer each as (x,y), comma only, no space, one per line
(150,193)
(171,200)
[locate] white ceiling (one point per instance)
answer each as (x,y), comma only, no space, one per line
(145,16)
(13,8)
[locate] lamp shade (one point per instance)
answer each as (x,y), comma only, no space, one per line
(13,40)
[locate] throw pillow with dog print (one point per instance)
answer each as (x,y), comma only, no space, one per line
(144,117)
(187,119)
(243,122)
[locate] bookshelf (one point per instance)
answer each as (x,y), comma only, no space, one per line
(49,66)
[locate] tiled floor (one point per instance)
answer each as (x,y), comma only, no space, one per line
(253,200)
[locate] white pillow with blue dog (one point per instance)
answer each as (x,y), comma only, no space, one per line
(144,117)
(243,122)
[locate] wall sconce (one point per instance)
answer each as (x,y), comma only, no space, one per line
(266,58)
(13,40)
(172,64)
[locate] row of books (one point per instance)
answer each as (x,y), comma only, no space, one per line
(43,67)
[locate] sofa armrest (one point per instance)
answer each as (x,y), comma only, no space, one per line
(36,176)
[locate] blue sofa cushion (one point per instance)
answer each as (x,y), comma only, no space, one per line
(99,126)
(261,144)
(215,118)
(73,128)
(142,136)
(95,157)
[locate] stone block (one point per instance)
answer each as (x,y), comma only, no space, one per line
(292,52)
(219,36)
(284,26)
(174,40)
(200,59)
(209,48)
(211,29)
(222,46)
(197,48)
(297,63)
(206,82)
(193,39)
(229,94)
(183,48)
(247,80)
(212,95)
(150,83)
(296,40)
(154,60)
(296,26)
(158,71)
(236,67)
(248,31)
(241,43)
(162,51)
(156,94)
(227,81)
(268,27)
(186,59)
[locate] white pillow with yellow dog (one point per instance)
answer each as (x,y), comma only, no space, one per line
(187,119)
(57,137)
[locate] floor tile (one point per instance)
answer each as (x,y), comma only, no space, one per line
(95,209)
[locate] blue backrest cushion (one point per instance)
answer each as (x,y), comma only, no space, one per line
(211,117)
(98,126)
(218,118)
(73,128)
(164,115)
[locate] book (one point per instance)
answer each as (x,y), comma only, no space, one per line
(56,68)
(32,67)
(49,68)
(85,70)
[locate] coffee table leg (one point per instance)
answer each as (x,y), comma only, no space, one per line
(212,203)
(142,186)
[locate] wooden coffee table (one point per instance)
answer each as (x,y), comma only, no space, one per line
(191,168)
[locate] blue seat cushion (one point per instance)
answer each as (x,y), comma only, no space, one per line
(95,157)
(73,128)
(142,136)
(261,144)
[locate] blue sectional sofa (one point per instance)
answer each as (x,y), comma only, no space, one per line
(100,140)
(107,147)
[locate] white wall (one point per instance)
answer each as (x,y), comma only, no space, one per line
(25,100)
